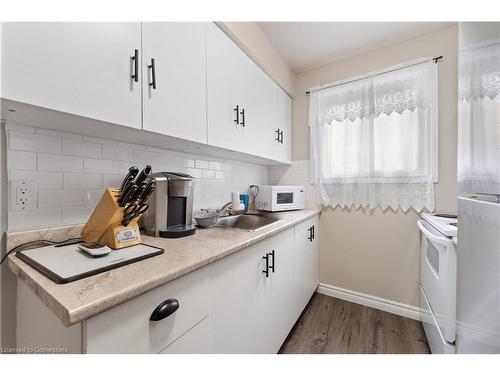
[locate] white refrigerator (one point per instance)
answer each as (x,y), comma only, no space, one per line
(478,275)
(478,172)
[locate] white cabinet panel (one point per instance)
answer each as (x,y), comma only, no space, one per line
(127,328)
(282,290)
(306,261)
(284,152)
(177,106)
(240,312)
(234,81)
(81,68)
(226,70)
(195,341)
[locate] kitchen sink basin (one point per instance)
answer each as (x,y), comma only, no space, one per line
(249,222)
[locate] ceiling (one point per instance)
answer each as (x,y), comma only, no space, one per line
(307,45)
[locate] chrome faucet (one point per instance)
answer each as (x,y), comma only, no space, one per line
(228,208)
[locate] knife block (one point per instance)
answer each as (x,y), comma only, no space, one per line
(104,225)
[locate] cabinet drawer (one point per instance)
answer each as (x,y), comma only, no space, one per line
(127,328)
(195,341)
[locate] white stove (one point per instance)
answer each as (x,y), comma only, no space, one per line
(444,223)
(438,275)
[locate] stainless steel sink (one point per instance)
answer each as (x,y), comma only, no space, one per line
(249,222)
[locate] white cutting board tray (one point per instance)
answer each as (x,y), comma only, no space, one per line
(64,264)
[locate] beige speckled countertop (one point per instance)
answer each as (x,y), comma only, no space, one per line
(82,299)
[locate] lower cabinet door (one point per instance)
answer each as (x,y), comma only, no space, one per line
(306,261)
(241,313)
(128,328)
(282,290)
(195,341)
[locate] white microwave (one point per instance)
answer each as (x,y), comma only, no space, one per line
(280,198)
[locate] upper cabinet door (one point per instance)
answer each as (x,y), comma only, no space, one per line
(76,67)
(227,68)
(174,57)
(284,143)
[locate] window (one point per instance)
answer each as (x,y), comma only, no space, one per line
(374,139)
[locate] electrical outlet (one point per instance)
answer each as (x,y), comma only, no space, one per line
(23,195)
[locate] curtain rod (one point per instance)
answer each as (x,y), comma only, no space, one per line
(435,59)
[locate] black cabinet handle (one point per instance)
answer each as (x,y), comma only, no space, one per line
(153,73)
(272,253)
(135,59)
(313,233)
(237,111)
(277,131)
(281,137)
(164,309)
(242,113)
(310,237)
(266,271)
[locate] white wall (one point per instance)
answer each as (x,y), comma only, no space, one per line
(71,171)
(377,253)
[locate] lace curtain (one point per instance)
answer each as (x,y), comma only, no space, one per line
(479,119)
(374,140)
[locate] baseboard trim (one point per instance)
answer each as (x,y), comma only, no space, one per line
(393,307)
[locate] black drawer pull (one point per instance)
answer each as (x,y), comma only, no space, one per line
(242,113)
(266,271)
(153,74)
(135,59)
(272,253)
(277,131)
(165,309)
(237,111)
(310,237)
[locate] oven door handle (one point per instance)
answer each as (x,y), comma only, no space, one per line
(442,241)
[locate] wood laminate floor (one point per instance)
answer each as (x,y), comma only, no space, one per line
(331,325)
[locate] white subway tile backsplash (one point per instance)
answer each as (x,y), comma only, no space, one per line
(207,173)
(202,164)
(145,157)
(100,166)
(117,153)
(132,146)
(110,180)
(59,198)
(56,133)
(21,160)
(40,218)
(44,180)
(215,165)
(69,186)
(76,215)
(91,197)
(21,128)
(81,148)
(33,142)
(196,173)
(82,181)
(59,163)
(102,141)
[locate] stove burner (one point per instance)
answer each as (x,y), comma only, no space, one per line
(448,216)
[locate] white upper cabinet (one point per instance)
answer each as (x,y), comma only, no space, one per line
(174,79)
(184,80)
(76,67)
(284,129)
(242,99)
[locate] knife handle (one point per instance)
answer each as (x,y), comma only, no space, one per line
(143,175)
